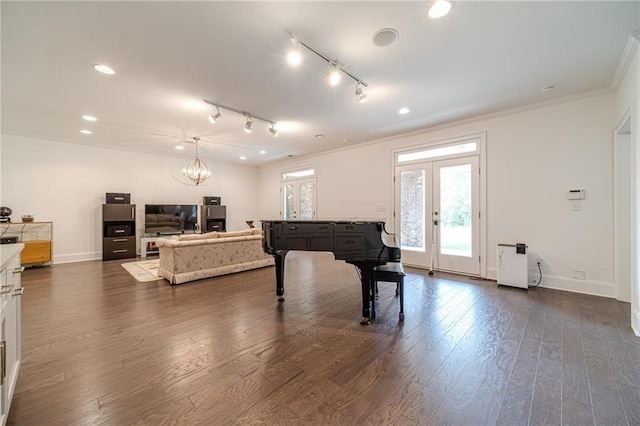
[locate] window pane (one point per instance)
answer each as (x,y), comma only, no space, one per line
(412,186)
(298,174)
(455,210)
(438,152)
(288,201)
(306,201)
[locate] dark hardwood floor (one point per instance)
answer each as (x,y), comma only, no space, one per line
(102,348)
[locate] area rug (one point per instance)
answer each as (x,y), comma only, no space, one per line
(144,271)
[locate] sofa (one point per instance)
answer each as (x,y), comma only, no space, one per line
(192,257)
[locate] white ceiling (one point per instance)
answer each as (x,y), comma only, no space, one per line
(170,56)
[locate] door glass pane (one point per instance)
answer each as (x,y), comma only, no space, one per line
(288,197)
(412,198)
(306,201)
(455,210)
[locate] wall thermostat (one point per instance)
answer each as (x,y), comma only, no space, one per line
(575,194)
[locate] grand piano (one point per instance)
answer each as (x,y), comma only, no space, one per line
(365,244)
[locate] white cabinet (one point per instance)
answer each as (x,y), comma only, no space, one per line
(10,323)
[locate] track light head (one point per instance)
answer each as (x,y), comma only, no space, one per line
(333,73)
(361,96)
(214,117)
(295,56)
(247,126)
(273,130)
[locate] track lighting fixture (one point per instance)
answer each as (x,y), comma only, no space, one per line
(248,127)
(214,117)
(333,74)
(361,96)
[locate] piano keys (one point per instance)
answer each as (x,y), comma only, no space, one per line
(364,244)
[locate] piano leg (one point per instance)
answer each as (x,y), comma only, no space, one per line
(368,314)
(279,259)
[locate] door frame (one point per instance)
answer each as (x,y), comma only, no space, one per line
(622,209)
(297,181)
(481,139)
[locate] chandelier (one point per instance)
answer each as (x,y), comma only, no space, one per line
(196,171)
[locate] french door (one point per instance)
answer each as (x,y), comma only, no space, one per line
(437,214)
(299,199)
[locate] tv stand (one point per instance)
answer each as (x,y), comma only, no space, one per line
(148,246)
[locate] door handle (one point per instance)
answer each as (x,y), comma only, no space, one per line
(3,361)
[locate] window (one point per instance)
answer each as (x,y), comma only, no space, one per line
(298,174)
(439,151)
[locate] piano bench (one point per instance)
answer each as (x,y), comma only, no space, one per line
(391,272)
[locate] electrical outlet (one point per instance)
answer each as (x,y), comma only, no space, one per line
(579,274)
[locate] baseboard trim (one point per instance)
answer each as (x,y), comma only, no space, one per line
(592,287)
(635,322)
(77,257)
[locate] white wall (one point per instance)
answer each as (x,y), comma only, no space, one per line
(66,183)
(533,158)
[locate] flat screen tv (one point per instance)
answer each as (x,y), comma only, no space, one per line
(168,219)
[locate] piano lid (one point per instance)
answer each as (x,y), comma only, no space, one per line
(354,219)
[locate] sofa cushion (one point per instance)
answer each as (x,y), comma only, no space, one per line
(191,237)
(243,233)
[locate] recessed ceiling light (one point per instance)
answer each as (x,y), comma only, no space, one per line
(385,37)
(179,147)
(86,132)
(89,118)
(319,136)
(243,158)
(439,9)
(263,152)
(404,111)
(104,69)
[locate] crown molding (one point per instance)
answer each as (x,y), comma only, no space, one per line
(629,52)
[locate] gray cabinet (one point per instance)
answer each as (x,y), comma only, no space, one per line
(214,218)
(118,212)
(118,231)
